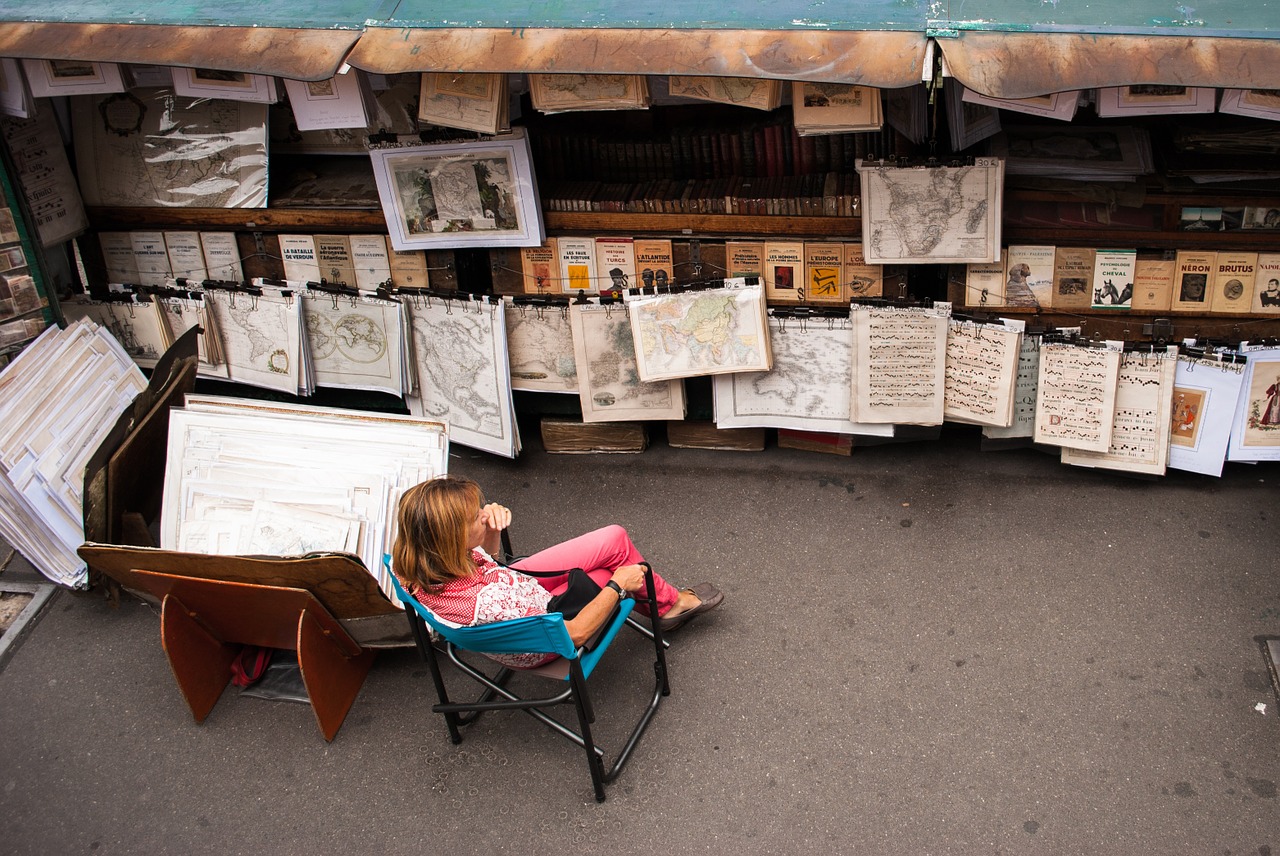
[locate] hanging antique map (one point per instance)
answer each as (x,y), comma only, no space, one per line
(701,332)
(464,378)
(933,214)
(540,346)
(261,338)
(609,384)
(809,387)
(355,343)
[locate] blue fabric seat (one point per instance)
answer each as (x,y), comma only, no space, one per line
(571,669)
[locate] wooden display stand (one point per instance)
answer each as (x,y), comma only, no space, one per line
(210,605)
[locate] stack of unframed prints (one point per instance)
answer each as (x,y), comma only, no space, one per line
(250,477)
(463,372)
(58,400)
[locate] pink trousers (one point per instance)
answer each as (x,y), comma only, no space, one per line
(599,553)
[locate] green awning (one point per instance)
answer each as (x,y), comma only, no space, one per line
(1007,48)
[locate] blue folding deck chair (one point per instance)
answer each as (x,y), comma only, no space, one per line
(538,633)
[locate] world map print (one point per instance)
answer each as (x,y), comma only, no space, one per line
(700,333)
(355,345)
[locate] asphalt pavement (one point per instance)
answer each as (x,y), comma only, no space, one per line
(925,648)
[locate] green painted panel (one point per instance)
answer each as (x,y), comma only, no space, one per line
(901,15)
(311,14)
(1228,18)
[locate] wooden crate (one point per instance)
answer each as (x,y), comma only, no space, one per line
(572,436)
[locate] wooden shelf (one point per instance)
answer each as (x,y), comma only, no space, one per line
(238,219)
(705,225)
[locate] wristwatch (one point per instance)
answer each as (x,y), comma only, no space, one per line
(611,584)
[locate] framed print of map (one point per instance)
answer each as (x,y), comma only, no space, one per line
(459,194)
(931,215)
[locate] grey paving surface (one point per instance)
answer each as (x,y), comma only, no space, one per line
(925,649)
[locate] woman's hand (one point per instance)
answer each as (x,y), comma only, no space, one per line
(495,517)
(629,577)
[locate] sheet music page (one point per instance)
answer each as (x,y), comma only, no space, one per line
(1205,393)
(900,364)
(981,372)
(1076,399)
(1024,394)
(1140,427)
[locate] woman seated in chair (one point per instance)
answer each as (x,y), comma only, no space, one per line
(444,556)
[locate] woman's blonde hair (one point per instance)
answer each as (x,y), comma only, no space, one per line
(434,521)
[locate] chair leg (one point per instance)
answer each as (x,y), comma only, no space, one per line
(582,704)
(422,638)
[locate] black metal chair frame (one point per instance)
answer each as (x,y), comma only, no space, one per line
(460,714)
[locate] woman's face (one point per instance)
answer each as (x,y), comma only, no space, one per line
(476,533)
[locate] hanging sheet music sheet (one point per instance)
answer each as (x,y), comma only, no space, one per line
(48,184)
(1255,433)
(981,373)
(1076,396)
(59,398)
(900,364)
(809,388)
(261,338)
(136,326)
(1206,394)
(540,345)
(283,479)
(355,343)
(1140,430)
(464,375)
(703,332)
(1024,394)
(609,384)
(931,215)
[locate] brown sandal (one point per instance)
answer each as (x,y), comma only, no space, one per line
(709,596)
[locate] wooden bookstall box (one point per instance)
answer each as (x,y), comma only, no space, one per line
(571,436)
(699,434)
(815,441)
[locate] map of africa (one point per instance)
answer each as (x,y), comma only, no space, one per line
(933,214)
(700,332)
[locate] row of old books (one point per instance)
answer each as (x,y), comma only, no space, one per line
(759,150)
(1205,281)
(792,271)
(156,258)
(831,194)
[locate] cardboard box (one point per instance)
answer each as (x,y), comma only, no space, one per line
(699,434)
(572,436)
(815,441)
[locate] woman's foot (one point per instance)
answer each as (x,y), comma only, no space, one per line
(691,603)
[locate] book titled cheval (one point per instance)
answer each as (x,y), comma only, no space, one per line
(1113,278)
